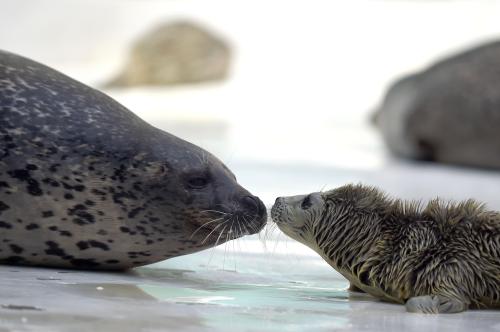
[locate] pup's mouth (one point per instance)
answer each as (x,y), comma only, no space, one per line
(277,210)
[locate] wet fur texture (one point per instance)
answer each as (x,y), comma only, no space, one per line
(85,183)
(398,250)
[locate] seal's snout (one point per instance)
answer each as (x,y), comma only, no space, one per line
(277,209)
(254,206)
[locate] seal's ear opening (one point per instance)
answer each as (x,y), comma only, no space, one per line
(157,168)
(150,170)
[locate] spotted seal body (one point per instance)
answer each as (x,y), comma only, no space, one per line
(85,183)
(440,259)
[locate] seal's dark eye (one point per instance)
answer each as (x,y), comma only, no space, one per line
(306,203)
(197,182)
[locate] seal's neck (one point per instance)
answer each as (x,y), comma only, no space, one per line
(346,237)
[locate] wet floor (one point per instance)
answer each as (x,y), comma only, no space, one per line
(222,290)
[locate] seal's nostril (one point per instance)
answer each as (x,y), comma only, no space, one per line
(251,203)
(254,205)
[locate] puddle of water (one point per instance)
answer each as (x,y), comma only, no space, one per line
(299,306)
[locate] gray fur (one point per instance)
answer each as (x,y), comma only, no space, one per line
(449,112)
(85,183)
(441,258)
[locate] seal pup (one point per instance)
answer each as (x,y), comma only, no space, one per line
(85,183)
(443,258)
(447,113)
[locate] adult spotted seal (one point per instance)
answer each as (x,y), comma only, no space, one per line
(440,259)
(85,183)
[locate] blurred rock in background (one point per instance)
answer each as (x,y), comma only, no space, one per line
(448,113)
(175,53)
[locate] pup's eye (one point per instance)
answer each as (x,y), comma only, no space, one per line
(197,182)
(306,203)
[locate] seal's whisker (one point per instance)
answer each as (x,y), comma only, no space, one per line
(213,230)
(214,211)
(216,242)
(204,225)
(244,224)
(225,250)
(276,243)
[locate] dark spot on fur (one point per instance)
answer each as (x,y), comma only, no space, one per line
(47,214)
(3,206)
(34,188)
(65,233)
(54,249)
(78,187)
(51,182)
(31,167)
(53,167)
(82,245)
(23,175)
(4,224)
(117,197)
(53,228)
(133,213)
(98,192)
(31,227)
(125,229)
(100,245)
(16,249)
(20,174)
(83,217)
(112,261)
(84,263)
(69,196)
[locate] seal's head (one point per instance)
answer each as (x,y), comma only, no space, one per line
(296,215)
(338,218)
(198,198)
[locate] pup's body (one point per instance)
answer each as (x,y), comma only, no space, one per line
(440,259)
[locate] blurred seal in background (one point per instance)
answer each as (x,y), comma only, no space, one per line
(175,53)
(448,113)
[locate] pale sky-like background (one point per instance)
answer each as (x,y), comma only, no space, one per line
(305,76)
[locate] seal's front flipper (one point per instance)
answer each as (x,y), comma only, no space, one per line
(435,304)
(353,288)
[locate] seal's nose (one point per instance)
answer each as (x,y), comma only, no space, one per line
(254,205)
